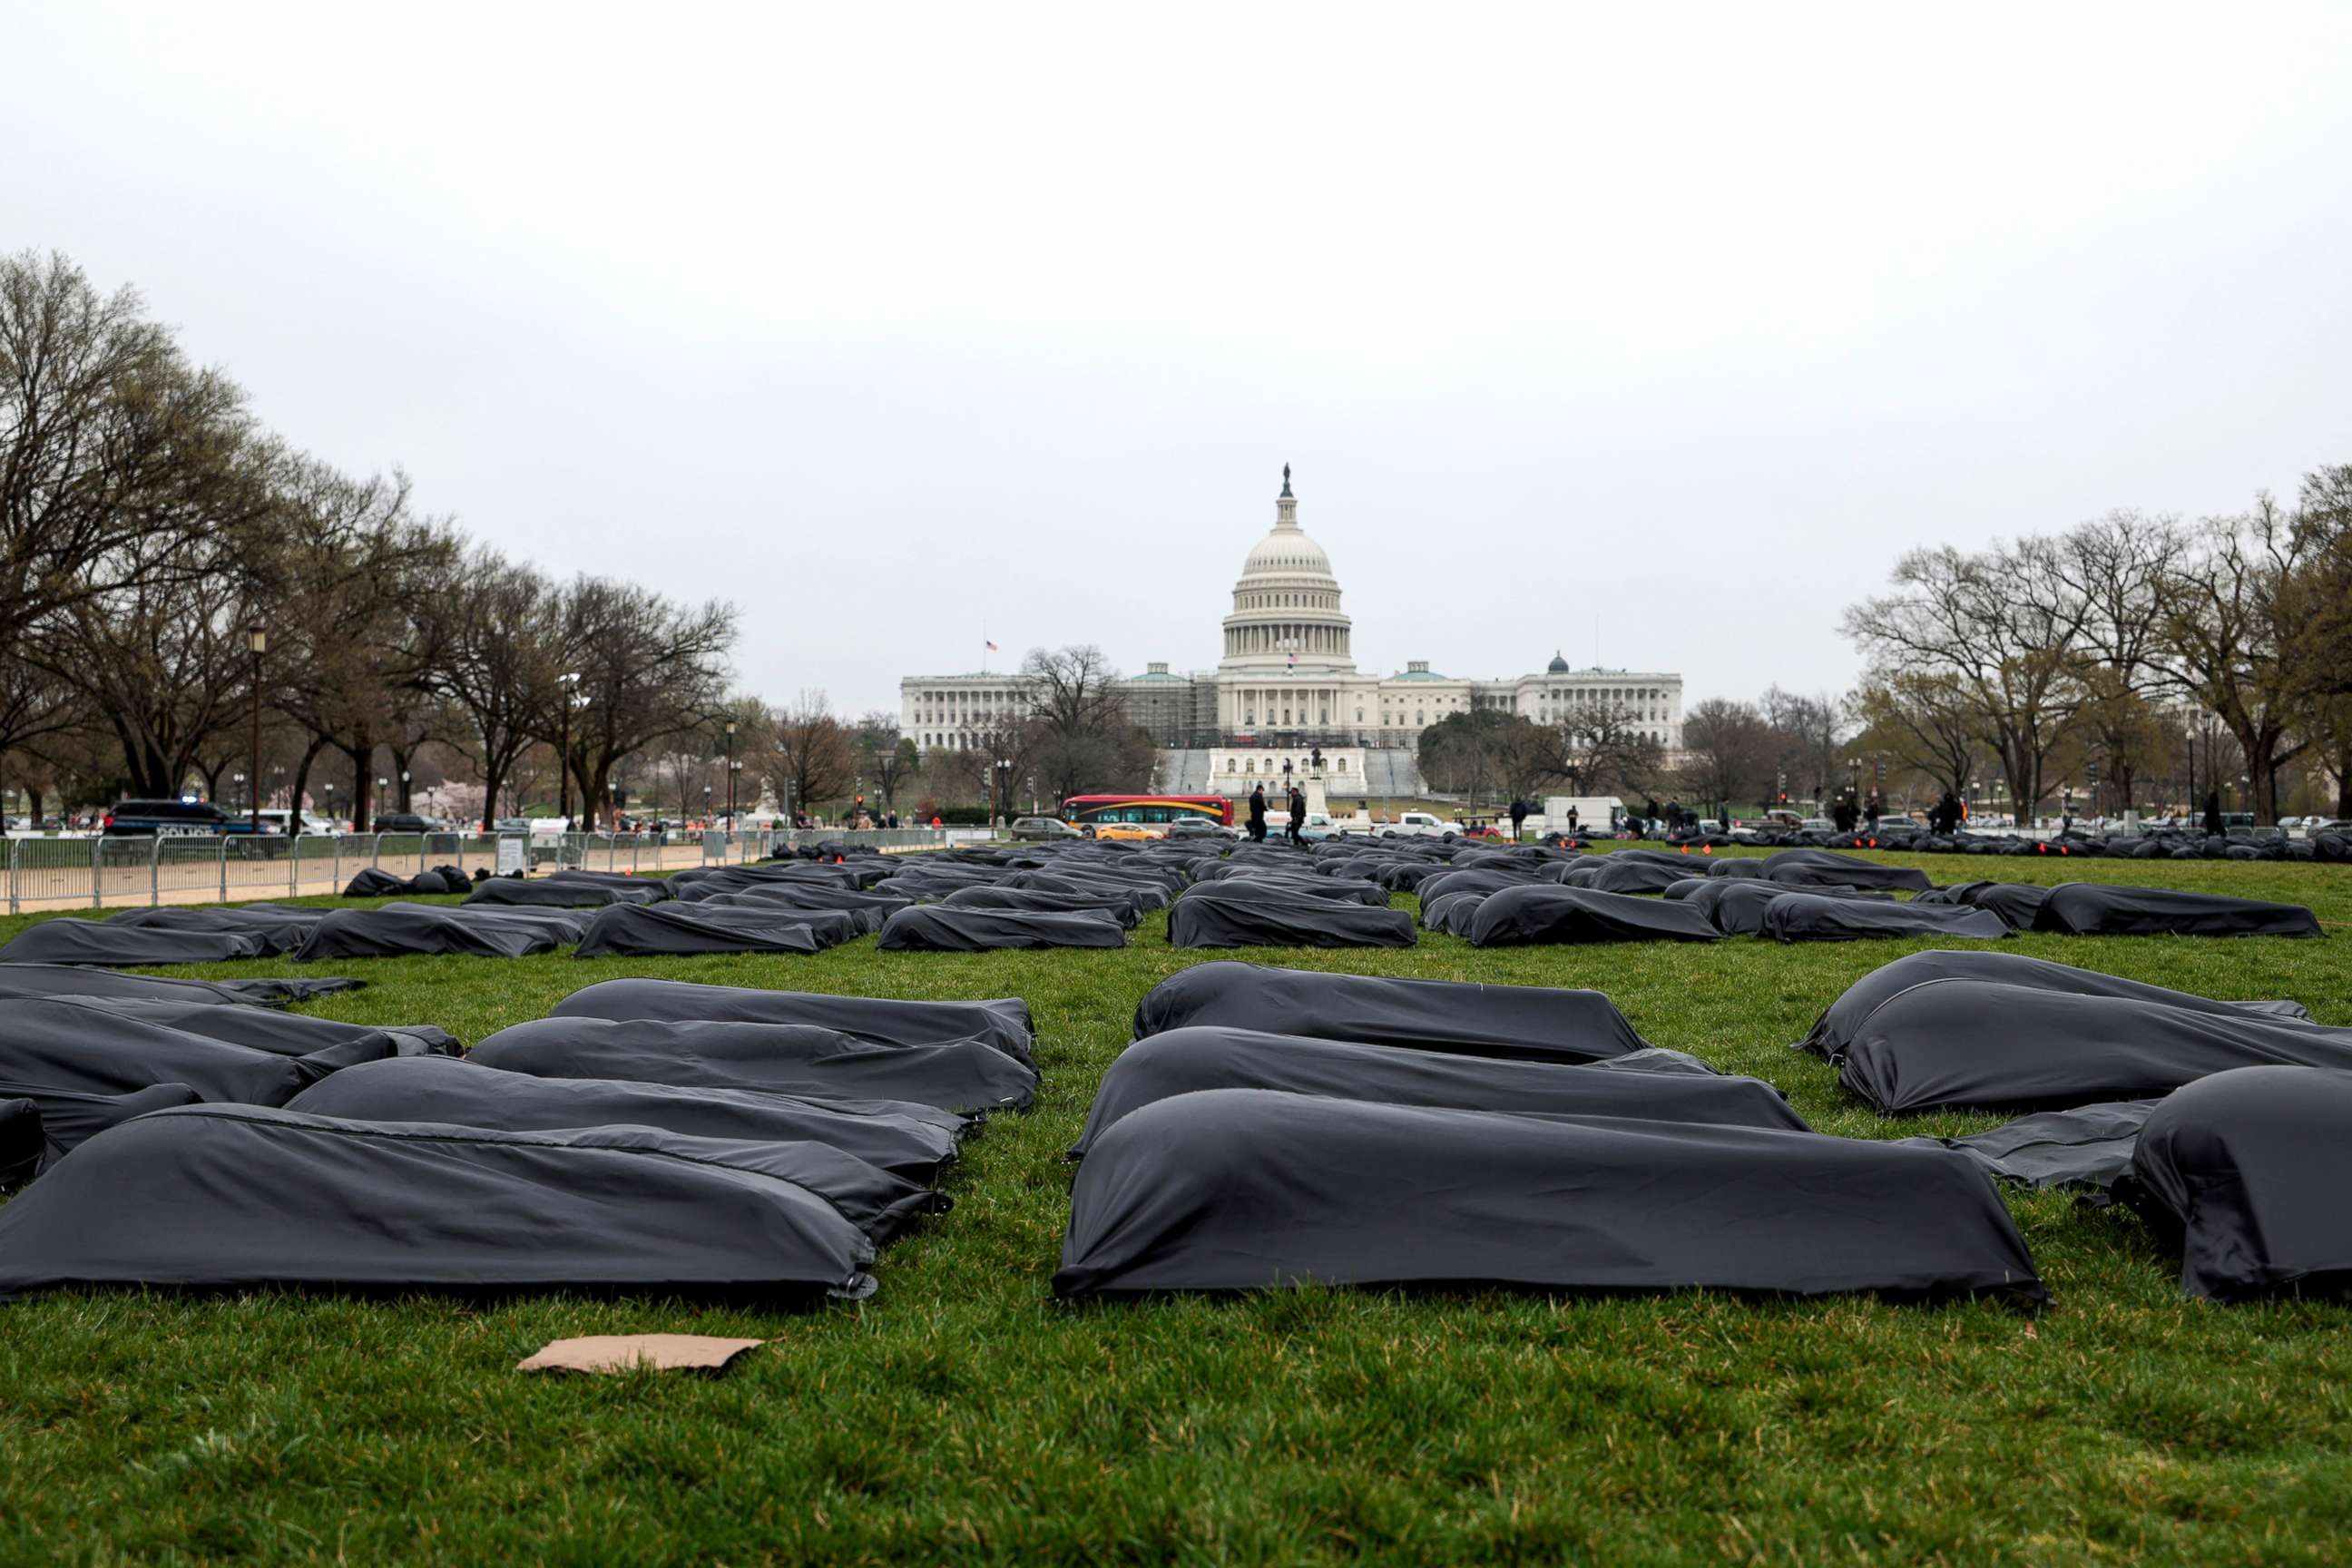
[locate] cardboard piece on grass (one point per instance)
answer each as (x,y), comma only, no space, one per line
(624,1352)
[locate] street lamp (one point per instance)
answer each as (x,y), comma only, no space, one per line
(563,753)
(1002,789)
(733,768)
(331,805)
(257,643)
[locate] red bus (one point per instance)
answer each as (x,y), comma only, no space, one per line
(1153,808)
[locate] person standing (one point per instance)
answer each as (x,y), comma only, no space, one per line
(1298,815)
(2213,829)
(1571,822)
(1257,813)
(1519,817)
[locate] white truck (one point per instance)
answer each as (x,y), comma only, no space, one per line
(1417,824)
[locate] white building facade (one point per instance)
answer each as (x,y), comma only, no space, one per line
(1286,689)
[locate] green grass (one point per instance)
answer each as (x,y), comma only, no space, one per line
(963,1413)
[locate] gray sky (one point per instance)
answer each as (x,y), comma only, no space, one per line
(904,326)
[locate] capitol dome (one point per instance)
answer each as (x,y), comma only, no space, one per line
(1287,552)
(1557,666)
(1287,611)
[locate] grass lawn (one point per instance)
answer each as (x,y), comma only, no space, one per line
(963,1413)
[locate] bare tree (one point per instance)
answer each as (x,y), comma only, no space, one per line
(114,453)
(345,584)
(2235,636)
(1601,748)
(1729,747)
(2004,628)
(809,755)
(1928,724)
(1080,740)
(493,637)
(885,756)
(649,672)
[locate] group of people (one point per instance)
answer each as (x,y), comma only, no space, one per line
(1258,814)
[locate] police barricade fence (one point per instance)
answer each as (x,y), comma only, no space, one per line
(101,872)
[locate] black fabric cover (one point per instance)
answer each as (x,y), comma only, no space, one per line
(66,980)
(22,1142)
(73,940)
(1243,1189)
(1823,868)
(1624,874)
(1839,1024)
(61,1044)
(70,1116)
(1216,914)
(2016,903)
(375,882)
(936,928)
(1737,907)
(2101,908)
(1810,917)
(640,928)
(1036,902)
(1184,1061)
(236,1197)
(2249,1172)
(1536,1023)
(561,893)
(1972,1043)
(779,1058)
(326,1041)
(277,928)
(1002,1022)
(1548,914)
(2088,1146)
(915,1142)
(878,1202)
(398,929)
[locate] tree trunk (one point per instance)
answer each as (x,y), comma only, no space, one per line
(301,782)
(361,752)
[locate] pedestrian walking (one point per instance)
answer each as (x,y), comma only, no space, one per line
(1298,815)
(1519,817)
(1257,813)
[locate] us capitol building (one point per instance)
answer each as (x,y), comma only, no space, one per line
(1287,686)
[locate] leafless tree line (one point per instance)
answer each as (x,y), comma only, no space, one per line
(2106,652)
(152,533)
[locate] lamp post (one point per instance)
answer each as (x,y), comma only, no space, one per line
(563,753)
(404,789)
(1033,794)
(375,802)
(257,643)
(731,775)
(706,805)
(1002,788)
(329,789)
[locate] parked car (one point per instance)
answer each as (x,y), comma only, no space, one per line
(182,818)
(1044,828)
(1131,831)
(273,820)
(1198,827)
(1417,824)
(405,821)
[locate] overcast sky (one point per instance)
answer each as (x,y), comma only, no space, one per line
(901,327)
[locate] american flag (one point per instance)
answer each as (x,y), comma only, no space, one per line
(1294,655)
(991,647)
